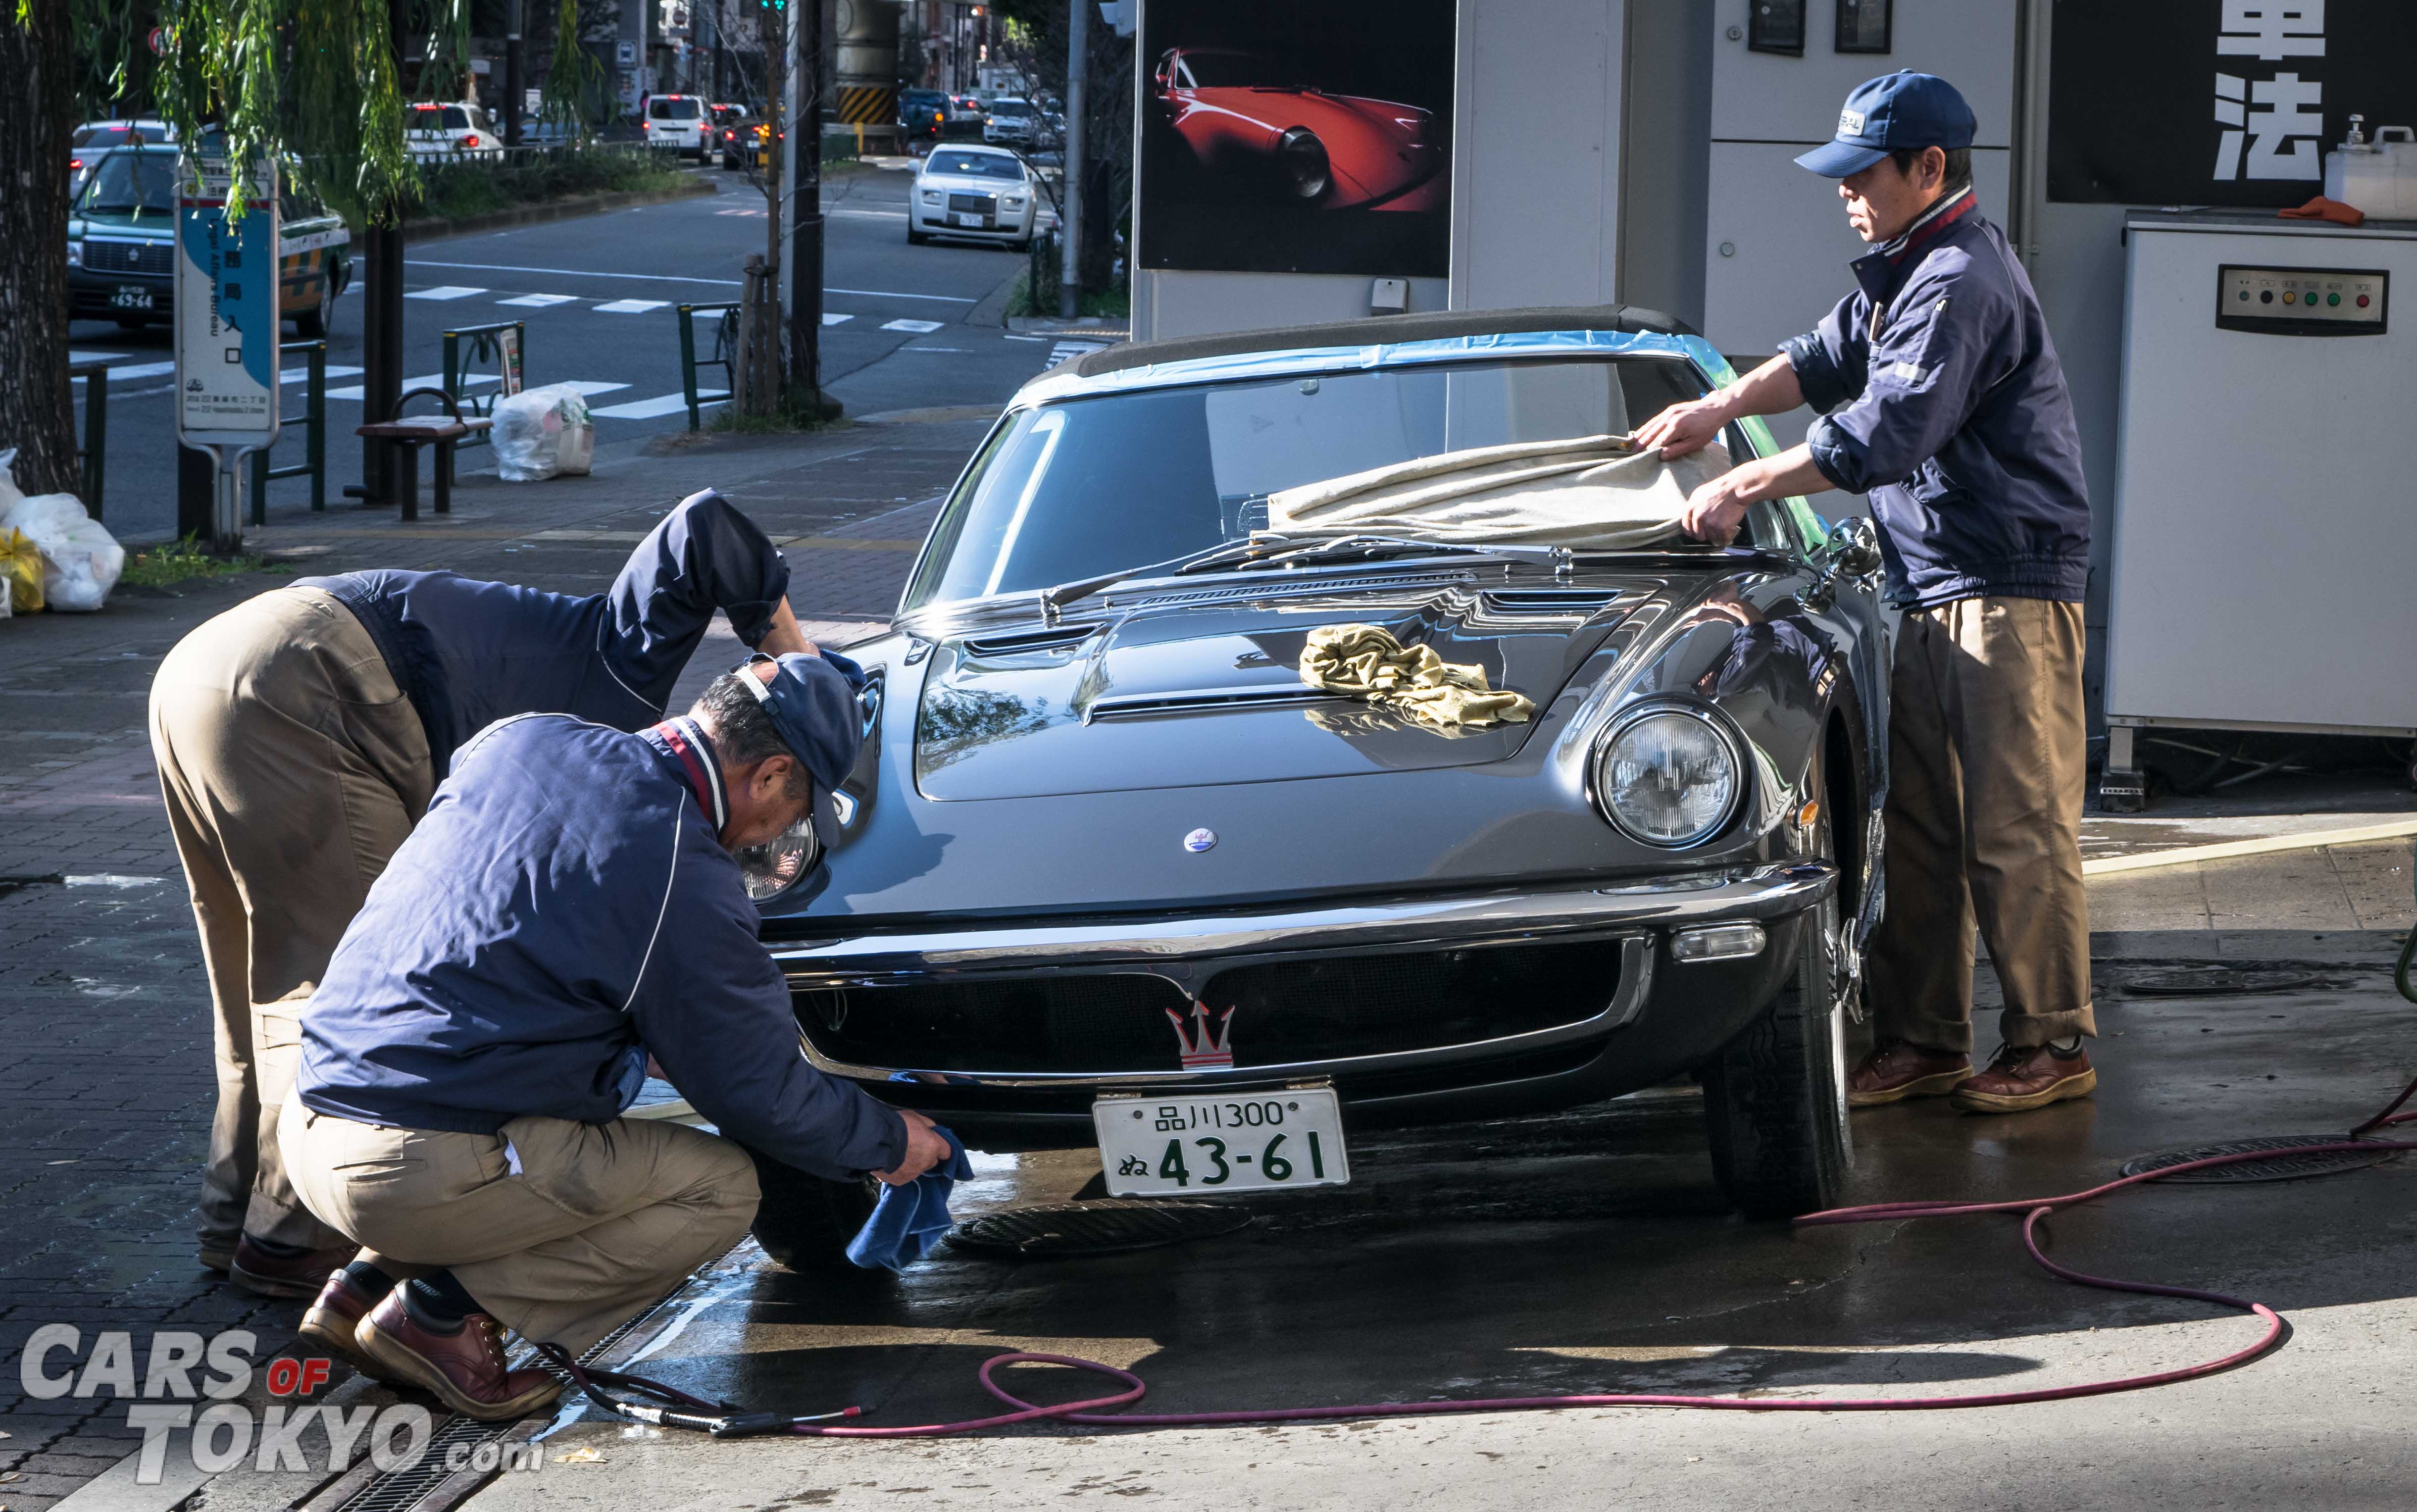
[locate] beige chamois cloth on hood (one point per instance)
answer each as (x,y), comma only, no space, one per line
(1594,491)
(1366,661)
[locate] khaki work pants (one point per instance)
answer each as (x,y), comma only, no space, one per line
(1986,782)
(293,766)
(561,1230)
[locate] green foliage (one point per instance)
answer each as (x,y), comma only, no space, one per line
(478,186)
(575,86)
(174,563)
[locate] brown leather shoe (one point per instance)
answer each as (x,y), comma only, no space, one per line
(1897,1070)
(255,1269)
(2020,1078)
(465,1370)
(335,1317)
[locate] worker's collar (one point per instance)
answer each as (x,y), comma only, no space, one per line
(687,744)
(1943,212)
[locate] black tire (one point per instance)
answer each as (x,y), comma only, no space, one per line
(1774,1099)
(915,237)
(321,317)
(804,1222)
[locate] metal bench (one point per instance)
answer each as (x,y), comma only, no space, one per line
(412,432)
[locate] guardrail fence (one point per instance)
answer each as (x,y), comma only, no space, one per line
(725,356)
(96,430)
(314,464)
(504,343)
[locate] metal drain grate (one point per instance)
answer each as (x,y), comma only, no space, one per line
(2215,982)
(1101,1228)
(2282,1168)
(401,1489)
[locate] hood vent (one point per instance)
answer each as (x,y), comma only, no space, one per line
(1030,642)
(1137,705)
(1550,601)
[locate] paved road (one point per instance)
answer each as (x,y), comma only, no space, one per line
(599,296)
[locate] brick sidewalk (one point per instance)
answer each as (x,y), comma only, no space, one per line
(102,997)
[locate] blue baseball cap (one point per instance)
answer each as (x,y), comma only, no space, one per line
(1892,113)
(812,700)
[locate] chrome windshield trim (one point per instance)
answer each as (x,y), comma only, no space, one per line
(1187,950)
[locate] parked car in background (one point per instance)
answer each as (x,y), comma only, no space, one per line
(677,123)
(1013,121)
(93,138)
(454,128)
(922,117)
(1253,124)
(122,246)
(979,193)
(966,114)
(1112,873)
(731,137)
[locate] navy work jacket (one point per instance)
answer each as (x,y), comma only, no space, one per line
(1941,398)
(563,910)
(468,653)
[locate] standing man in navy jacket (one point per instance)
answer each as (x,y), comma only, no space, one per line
(570,907)
(1941,398)
(299,736)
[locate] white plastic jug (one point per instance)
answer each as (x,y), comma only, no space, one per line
(2378,177)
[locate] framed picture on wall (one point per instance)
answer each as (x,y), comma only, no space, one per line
(1776,27)
(1863,25)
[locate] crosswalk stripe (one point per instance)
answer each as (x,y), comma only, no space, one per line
(829,319)
(443,291)
(143,370)
(303,374)
(1067,351)
(659,406)
(918,326)
(426,380)
(585,386)
(630,307)
(539,302)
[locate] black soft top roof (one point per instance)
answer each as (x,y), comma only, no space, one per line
(1441,324)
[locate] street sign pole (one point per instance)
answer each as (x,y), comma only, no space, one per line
(226,327)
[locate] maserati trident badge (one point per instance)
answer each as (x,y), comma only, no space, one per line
(1200,840)
(1204,1048)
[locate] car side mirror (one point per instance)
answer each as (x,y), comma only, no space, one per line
(1854,547)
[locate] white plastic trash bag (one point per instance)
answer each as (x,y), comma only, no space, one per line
(9,493)
(542,433)
(81,560)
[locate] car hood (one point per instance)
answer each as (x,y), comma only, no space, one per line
(153,227)
(1204,688)
(959,183)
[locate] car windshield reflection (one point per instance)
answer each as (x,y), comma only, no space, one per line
(1092,486)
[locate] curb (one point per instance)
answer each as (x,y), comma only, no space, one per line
(2265,845)
(570,209)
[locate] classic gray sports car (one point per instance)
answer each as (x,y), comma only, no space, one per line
(1112,873)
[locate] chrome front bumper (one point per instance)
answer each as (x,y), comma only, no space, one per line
(1188,951)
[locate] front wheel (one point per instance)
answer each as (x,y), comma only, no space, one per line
(805,1222)
(1775,1097)
(915,237)
(321,317)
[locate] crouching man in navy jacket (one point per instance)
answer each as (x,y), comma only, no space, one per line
(570,906)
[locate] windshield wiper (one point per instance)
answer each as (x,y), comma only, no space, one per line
(1055,599)
(1363,546)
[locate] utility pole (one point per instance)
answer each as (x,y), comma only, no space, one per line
(512,72)
(801,190)
(1069,187)
(382,331)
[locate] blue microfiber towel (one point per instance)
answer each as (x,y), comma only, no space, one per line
(910,1219)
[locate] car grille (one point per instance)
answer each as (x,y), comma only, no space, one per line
(129,257)
(974,203)
(1284,1012)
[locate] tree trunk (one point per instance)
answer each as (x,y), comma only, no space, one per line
(36,121)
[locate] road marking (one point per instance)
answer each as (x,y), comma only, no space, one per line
(628,307)
(426,380)
(755,214)
(676,277)
(145,370)
(829,319)
(1012,336)
(660,404)
(2265,845)
(917,327)
(936,348)
(1067,351)
(586,386)
(894,294)
(539,302)
(303,374)
(443,291)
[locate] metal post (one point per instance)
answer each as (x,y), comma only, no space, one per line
(382,330)
(226,520)
(96,434)
(314,406)
(802,171)
(512,88)
(258,467)
(1070,185)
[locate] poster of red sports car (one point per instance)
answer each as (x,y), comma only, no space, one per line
(1296,136)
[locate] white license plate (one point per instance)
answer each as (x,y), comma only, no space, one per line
(960,218)
(131,297)
(1158,1145)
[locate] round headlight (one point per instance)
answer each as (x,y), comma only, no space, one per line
(772,868)
(1669,777)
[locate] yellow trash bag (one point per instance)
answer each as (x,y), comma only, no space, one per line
(21,565)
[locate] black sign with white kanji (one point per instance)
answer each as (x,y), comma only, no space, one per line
(2219,101)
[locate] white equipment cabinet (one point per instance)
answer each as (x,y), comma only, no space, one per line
(2264,565)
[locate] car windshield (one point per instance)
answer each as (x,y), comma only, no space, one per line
(120,134)
(1009,107)
(1091,486)
(439,118)
(132,183)
(975,165)
(672,110)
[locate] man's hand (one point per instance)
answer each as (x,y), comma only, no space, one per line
(785,635)
(1715,509)
(1686,427)
(924,1150)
